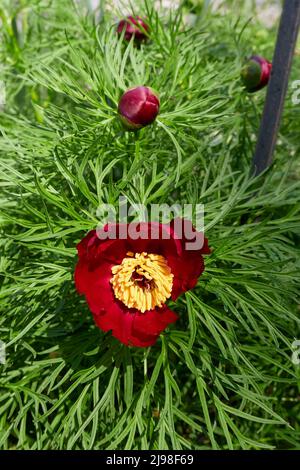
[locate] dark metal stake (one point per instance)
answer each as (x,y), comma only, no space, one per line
(277,88)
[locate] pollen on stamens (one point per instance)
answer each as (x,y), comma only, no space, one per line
(142,281)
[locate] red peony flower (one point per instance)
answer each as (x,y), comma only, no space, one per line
(133,26)
(127,280)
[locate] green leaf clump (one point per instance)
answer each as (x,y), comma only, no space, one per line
(222,377)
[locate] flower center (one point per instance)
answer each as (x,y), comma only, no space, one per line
(142,281)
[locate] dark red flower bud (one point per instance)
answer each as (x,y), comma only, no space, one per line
(138,107)
(256,73)
(133,26)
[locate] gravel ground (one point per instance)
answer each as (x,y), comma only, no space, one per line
(268,11)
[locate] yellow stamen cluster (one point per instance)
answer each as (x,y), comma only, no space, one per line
(142,281)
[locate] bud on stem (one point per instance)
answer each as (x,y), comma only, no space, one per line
(133,26)
(138,107)
(256,73)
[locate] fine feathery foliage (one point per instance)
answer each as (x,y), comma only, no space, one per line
(222,376)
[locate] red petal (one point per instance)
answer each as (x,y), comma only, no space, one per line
(147,326)
(132,327)
(154,238)
(188,267)
(186,272)
(82,246)
(94,249)
(129,326)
